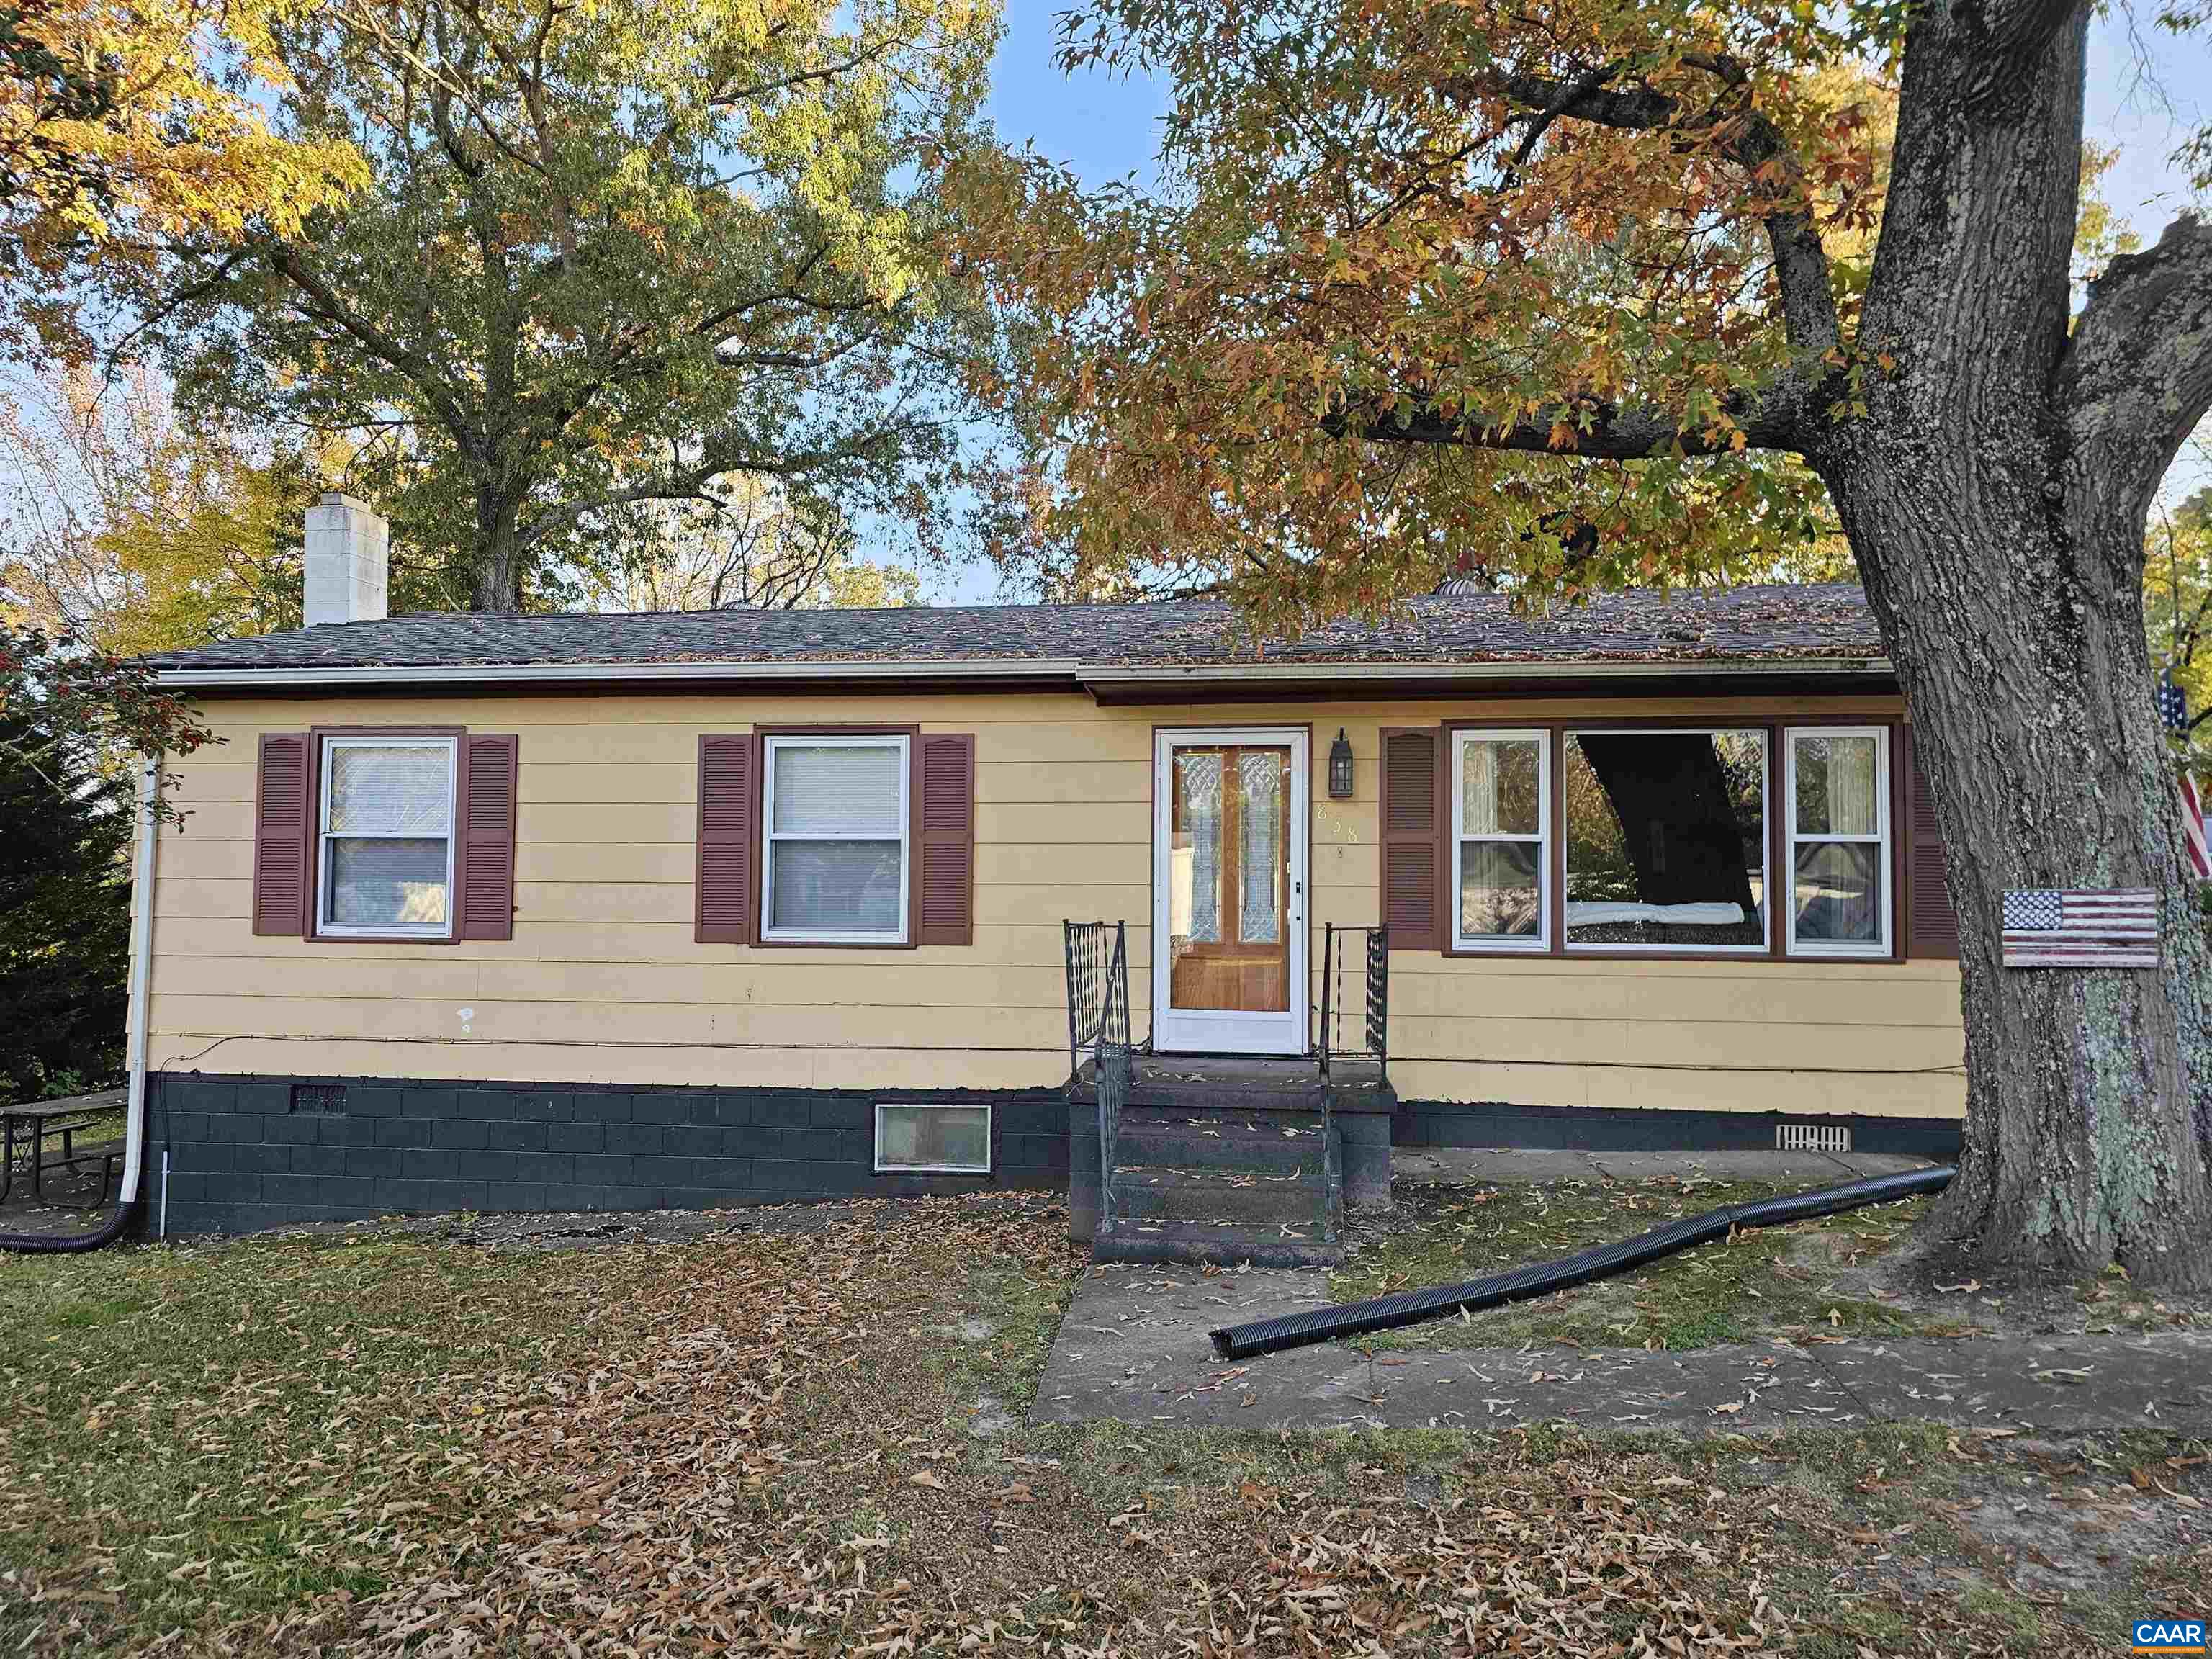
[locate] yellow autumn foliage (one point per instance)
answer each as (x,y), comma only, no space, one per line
(124,128)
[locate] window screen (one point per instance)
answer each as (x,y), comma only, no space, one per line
(836,818)
(1665,836)
(386,862)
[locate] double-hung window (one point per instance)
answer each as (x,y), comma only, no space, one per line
(1501,836)
(834,816)
(385,839)
(1839,858)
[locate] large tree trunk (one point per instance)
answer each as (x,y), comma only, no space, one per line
(2005,562)
(499,553)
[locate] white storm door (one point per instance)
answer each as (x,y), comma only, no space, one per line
(1229,890)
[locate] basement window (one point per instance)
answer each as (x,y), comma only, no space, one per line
(385,839)
(912,1137)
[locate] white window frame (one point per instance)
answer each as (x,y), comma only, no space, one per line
(396,930)
(1885,869)
(1765,945)
(990,1138)
(1463,738)
(769,836)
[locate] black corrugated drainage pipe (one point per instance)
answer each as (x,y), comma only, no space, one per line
(68,1243)
(1543,1278)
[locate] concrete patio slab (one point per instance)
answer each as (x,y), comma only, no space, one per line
(1134,1347)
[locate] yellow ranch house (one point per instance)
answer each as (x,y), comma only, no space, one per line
(620,911)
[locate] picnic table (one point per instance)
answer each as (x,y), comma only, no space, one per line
(65,1117)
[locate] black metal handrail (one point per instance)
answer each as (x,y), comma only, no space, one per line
(1089,946)
(1098,1018)
(1374,956)
(1116,1064)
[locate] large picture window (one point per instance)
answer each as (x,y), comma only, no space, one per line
(1839,859)
(836,822)
(385,838)
(1666,839)
(1501,836)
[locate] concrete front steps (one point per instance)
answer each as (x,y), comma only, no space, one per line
(1224,1160)
(1222,1186)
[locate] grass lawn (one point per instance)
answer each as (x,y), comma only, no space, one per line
(813,1440)
(1812,1279)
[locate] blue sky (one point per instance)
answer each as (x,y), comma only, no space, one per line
(2146,93)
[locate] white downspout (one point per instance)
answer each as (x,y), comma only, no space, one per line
(142,976)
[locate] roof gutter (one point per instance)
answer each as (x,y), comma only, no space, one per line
(556,673)
(987,669)
(1103,674)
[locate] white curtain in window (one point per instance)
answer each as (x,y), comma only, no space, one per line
(1259,777)
(1198,780)
(1480,786)
(1851,803)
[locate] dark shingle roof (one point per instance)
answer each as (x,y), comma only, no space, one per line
(1813,624)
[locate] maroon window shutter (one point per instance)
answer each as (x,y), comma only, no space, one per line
(729,804)
(485,857)
(280,833)
(944,839)
(1932,920)
(1412,796)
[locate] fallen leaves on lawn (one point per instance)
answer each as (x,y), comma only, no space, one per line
(758,1442)
(679,1485)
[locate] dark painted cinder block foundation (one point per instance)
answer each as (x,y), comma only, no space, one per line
(250,1152)
(1616,1130)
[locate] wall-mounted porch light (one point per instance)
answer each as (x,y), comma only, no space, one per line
(1340,768)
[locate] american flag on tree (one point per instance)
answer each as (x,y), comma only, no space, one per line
(2173,709)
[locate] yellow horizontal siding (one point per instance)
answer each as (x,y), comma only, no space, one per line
(880,1069)
(491,1019)
(1037,946)
(1648,993)
(750,978)
(603,981)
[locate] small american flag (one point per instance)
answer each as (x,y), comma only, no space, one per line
(2172,703)
(2047,928)
(2192,825)
(2173,711)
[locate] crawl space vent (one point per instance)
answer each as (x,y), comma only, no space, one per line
(1812,1137)
(327,1099)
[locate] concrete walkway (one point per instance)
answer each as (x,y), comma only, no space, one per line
(1135,1347)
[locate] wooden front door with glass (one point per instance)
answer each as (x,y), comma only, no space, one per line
(1230,891)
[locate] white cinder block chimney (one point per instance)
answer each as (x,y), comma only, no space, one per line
(346,579)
